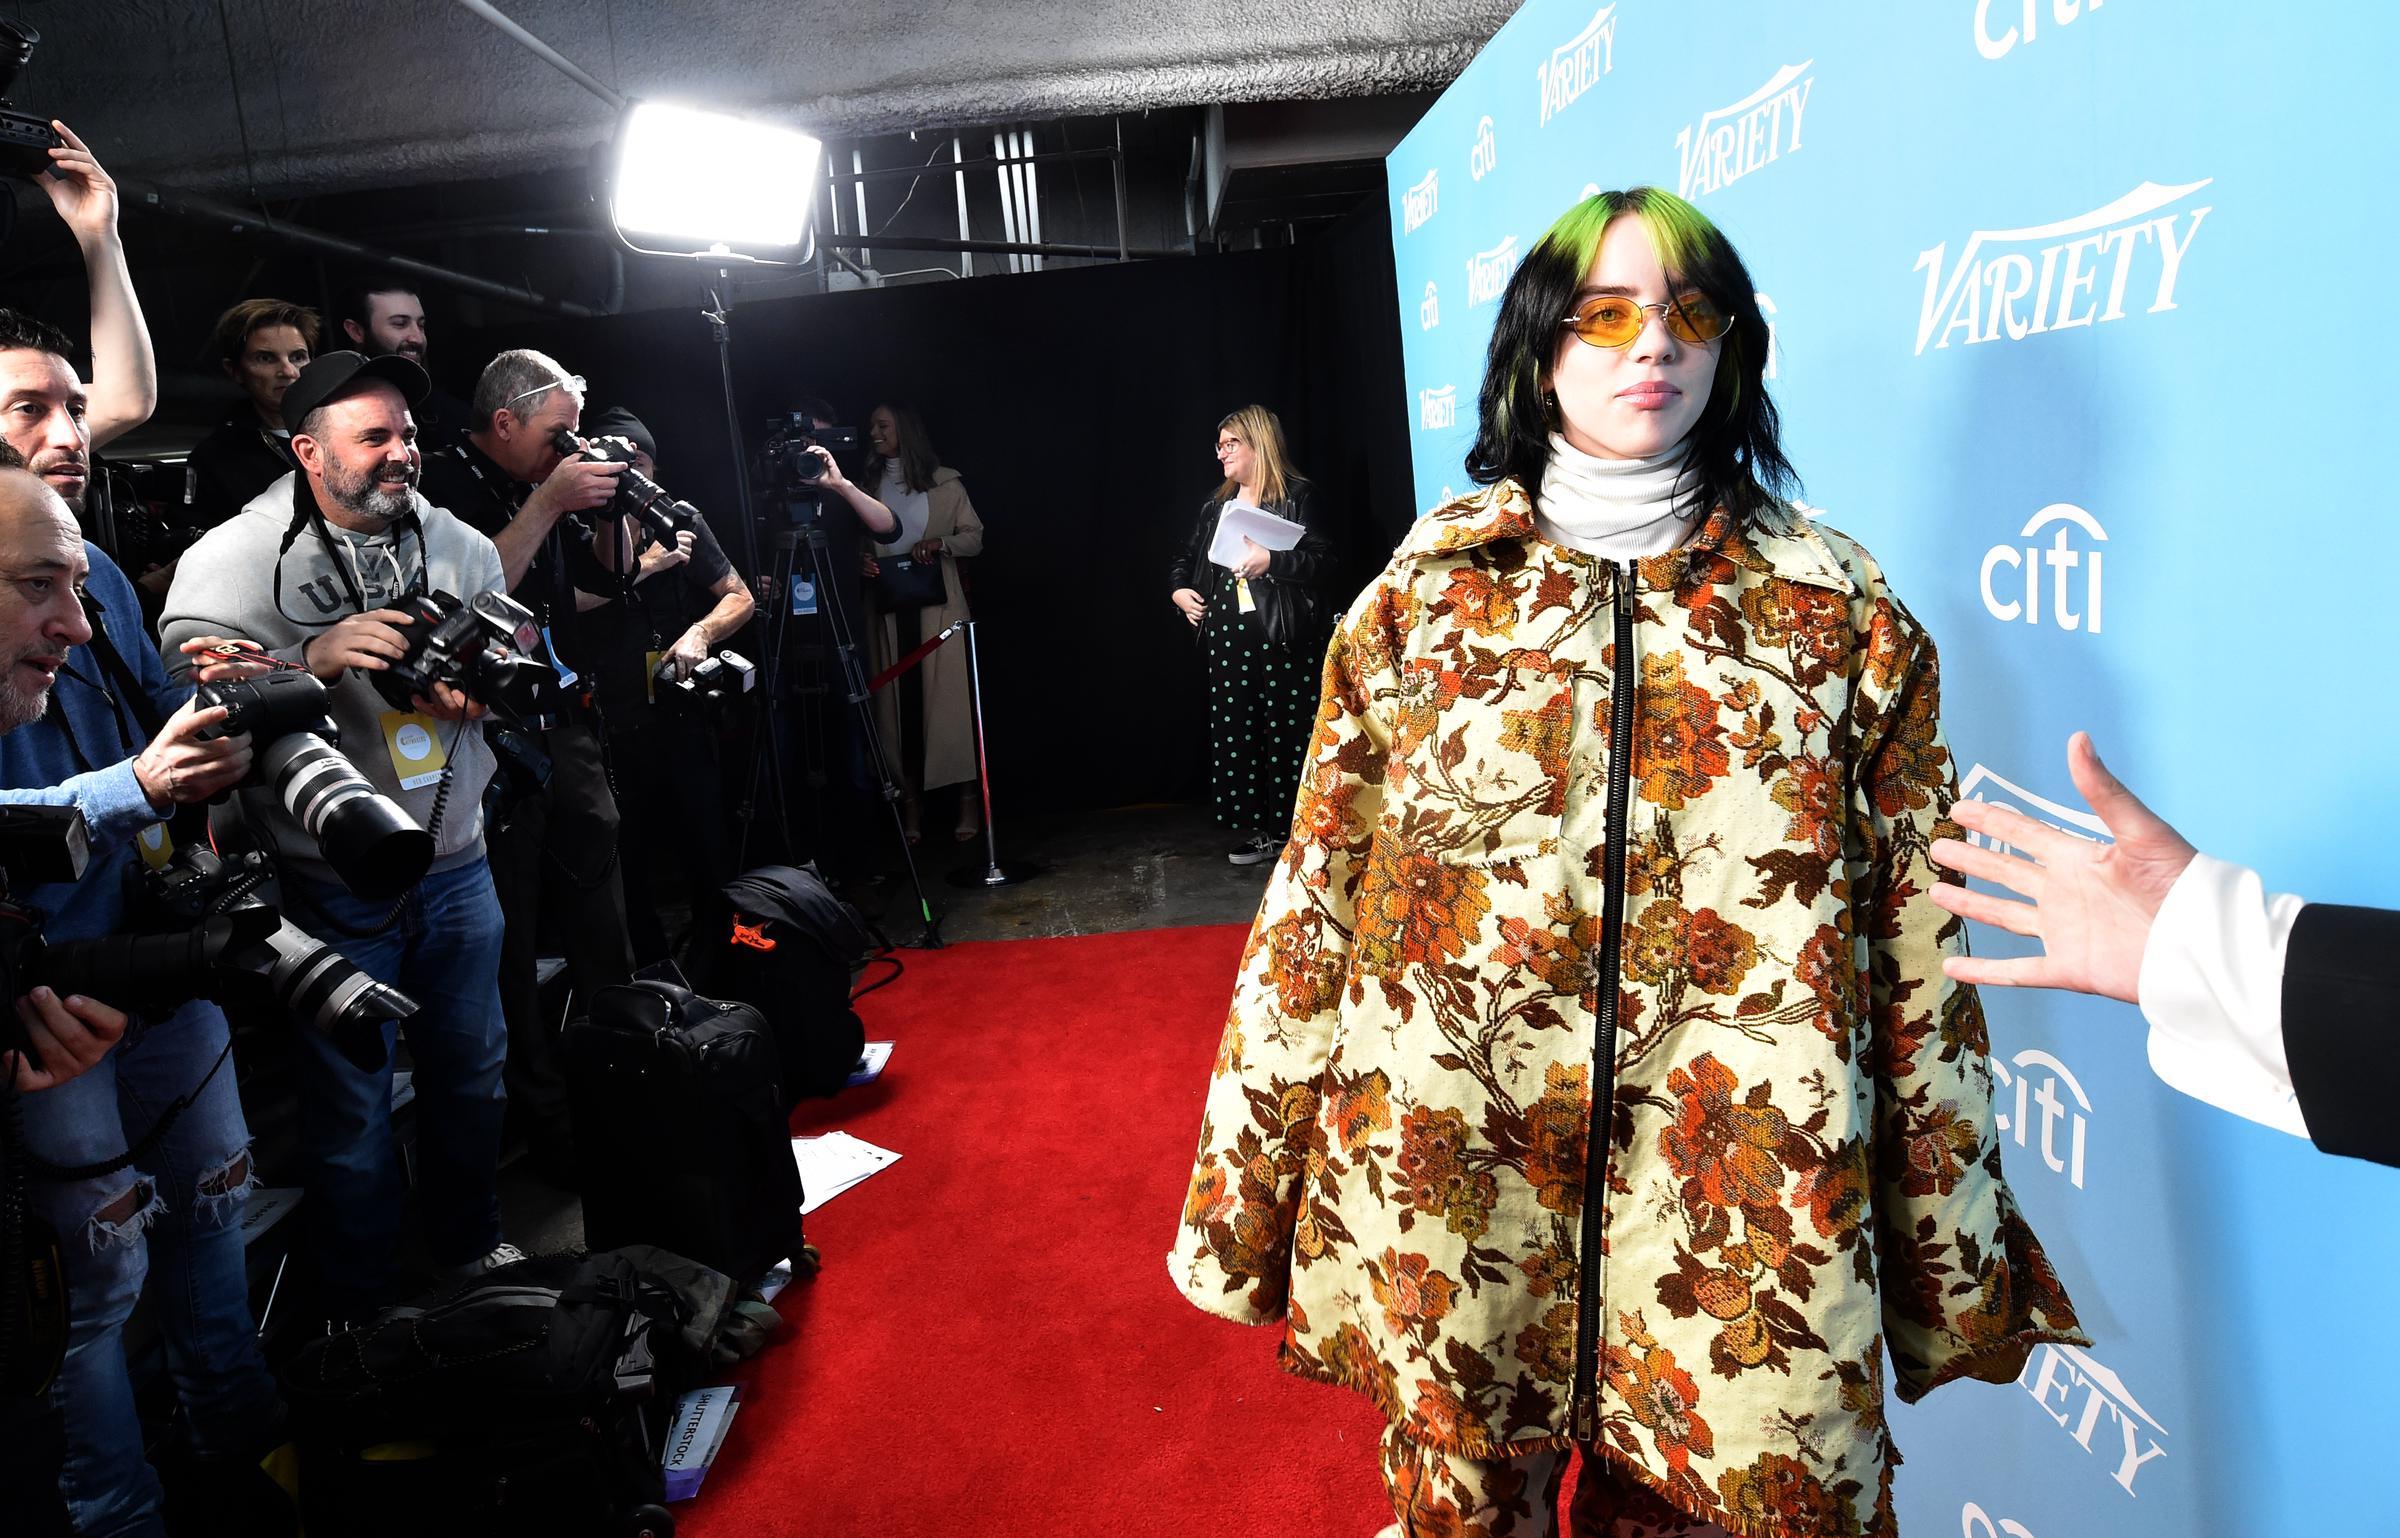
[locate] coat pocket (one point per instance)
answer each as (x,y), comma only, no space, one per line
(1480,767)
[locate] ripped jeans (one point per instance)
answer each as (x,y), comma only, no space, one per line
(174,1217)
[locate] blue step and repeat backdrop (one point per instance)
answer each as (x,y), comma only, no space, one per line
(2082,326)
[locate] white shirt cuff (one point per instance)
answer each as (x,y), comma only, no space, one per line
(2212,989)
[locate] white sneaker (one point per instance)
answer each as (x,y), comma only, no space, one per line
(504,1254)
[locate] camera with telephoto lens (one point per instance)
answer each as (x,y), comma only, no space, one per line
(787,466)
(206,934)
(480,646)
(638,496)
(727,675)
(25,140)
(372,845)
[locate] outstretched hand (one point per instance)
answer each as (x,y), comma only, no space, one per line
(2092,904)
(84,194)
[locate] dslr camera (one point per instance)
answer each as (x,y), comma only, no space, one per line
(208,935)
(25,139)
(482,647)
(787,466)
(374,846)
(727,675)
(638,497)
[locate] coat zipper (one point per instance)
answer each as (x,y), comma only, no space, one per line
(1623,689)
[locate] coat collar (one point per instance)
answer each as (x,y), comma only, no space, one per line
(1776,541)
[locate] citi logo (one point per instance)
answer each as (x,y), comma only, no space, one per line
(2054,277)
(2016,798)
(1421,202)
(1999,46)
(2063,559)
(1766,307)
(1731,142)
(1487,272)
(1438,408)
(2074,1390)
(1429,311)
(1484,158)
(2019,1074)
(1973,1523)
(1576,65)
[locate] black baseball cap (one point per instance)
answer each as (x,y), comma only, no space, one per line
(331,375)
(617,422)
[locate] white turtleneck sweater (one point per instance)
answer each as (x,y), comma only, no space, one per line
(1617,509)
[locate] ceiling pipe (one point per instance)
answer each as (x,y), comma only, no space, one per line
(547,54)
(991,247)
(237,220)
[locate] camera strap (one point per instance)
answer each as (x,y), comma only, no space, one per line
(120,672)
(307,516)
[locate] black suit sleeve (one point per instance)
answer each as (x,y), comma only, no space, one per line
(2341,1027)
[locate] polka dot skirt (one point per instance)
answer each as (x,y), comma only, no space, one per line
(1261,703)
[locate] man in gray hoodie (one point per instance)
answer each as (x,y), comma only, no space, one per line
(309,571)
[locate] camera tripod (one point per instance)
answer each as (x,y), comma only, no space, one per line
(807,530)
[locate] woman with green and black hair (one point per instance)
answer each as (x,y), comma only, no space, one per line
(1620,794)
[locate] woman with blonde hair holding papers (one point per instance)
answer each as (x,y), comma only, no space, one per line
(1251,580)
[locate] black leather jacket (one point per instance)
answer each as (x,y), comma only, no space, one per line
(1293,605)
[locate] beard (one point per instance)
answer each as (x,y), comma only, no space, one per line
(45,464)
(377,496)
(22,704)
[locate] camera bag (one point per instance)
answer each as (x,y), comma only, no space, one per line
(528,1401)
(683,1140)
(779,940)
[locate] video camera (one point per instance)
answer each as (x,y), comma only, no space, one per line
(213,936)
(482,647)
(25,140)
(374,846)
(786,467)
(638,496)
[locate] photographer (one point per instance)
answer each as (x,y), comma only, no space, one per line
(381,313)
(175,1208)
(262,345)
(555,859)
(50,418)
(310,571)
(846,514)
(685,601)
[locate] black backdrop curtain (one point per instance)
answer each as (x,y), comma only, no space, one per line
(1080,406)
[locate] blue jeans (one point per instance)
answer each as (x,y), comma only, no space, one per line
(444,952)
(172,1216)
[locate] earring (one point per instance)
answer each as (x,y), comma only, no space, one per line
(1550,409)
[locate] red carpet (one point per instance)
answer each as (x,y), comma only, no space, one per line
(994,1349)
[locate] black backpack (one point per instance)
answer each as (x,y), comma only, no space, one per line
(779,940)
(530,1400)
(681,1136)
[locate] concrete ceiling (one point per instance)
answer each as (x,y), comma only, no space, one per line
(291,97)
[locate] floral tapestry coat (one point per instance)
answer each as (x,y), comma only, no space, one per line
(1802,1174)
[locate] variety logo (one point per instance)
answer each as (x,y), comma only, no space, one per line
(1429,312)
(1421,202)
(1438,408)
(1731,142)
(1484,158)
(1766,307)
(2053,280)
(2075,1390)
(2063,559)
(1972,1523)
(2019,1074)
(1999,47)
(2017,798)
(1576,65)
(1487,272)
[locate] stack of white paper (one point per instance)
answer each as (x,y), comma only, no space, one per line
(833,1163)
(1238,521)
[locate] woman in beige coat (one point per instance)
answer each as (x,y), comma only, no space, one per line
(925,717)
